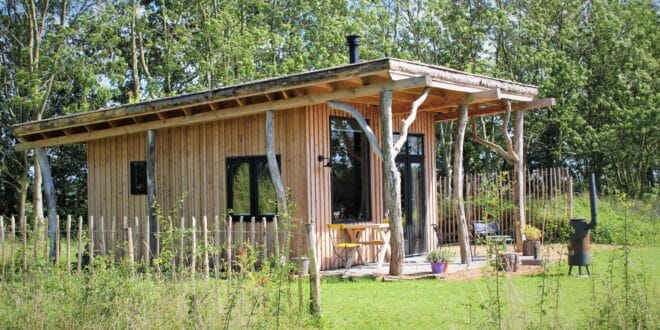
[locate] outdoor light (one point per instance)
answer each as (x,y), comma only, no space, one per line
(321,159)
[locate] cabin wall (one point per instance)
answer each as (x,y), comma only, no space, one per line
(318,130)
(191,170)
(191,175)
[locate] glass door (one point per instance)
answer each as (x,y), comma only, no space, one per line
(410,163)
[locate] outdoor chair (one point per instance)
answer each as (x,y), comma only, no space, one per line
(343,250)
(438,234)
(479,231)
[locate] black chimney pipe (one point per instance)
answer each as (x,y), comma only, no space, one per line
(353,42)
(592,201)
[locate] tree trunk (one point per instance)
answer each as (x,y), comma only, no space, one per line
(392,185)
(463,238)
(49,187)
(273,168)
(38,201)
(519,184)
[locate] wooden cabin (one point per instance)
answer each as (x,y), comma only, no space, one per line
(209,150)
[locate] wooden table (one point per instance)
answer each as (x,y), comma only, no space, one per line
(355,233)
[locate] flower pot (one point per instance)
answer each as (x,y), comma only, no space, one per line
(528,247)
(446,263)
(437,267)
(303,265)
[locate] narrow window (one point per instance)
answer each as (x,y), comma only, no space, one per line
(350,182)
(138,178)
(250,190)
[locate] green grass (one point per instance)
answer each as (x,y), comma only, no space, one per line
(432,304)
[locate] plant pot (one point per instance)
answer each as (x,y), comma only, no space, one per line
(303,265)
(446,265)
(528,247)
(437,267)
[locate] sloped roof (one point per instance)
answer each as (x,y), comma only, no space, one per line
(358,83)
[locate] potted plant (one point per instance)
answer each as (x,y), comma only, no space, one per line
(439,259)
(435,257)
(532,237)
(448,256)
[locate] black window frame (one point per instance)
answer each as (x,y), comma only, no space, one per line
(253,162)
(368,215)
(138,171)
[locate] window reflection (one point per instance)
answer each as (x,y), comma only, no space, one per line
(349,155)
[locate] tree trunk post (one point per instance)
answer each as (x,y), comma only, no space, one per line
(151,193)
(273,167)
(314,270)
(49,189)
(392,185)
(80,246)
(457,189)
(519,186)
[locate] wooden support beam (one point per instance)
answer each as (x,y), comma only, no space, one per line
(247,110)
(549,102)
(151,192)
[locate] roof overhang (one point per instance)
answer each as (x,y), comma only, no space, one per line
(357,83)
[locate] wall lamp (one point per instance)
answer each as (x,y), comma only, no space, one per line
(321,159)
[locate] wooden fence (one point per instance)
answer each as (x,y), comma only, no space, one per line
(202,246)
(488,197)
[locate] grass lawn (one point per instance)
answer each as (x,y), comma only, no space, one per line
(433,304)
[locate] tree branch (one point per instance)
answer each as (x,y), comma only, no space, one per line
(362,122)
(488,144)
(405,125)
(505,132)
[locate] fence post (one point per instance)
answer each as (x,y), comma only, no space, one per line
(131,251)
(102,234)
(79,256)
(193,260)
(314,279)
(57,240)
(216,257)
(206,247)
(91,239)
(253,232)
(570,197)
(276,240)
(11,244)
(229,234)
(2,238)
(182,239)
(68,242)
(24,228)
(264,235)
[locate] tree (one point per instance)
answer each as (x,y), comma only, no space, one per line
(388,153)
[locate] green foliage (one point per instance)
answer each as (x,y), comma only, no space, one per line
(440,255)
(641,218)
(532,232)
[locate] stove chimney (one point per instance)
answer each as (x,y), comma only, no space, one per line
(353,42)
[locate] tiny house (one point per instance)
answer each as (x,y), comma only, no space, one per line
(209,150)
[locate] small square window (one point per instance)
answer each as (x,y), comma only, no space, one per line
(250,189)
(138,178)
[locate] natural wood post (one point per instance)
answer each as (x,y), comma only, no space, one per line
(80,245)
(264,236)
(241,235)
(570,197)
(216,257)
(4,257)
(91,239)
(12,238)
(273,167)
(151,193)
(102,234)
(35,241)
(57,240)
(205,233)
(113,235)
(68,242)
(51,201)
(314,270)
(193,253)
(276,240)
(459,138)
(228,240)
(253,232)
(25,252)
(182,242)
(131,248)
